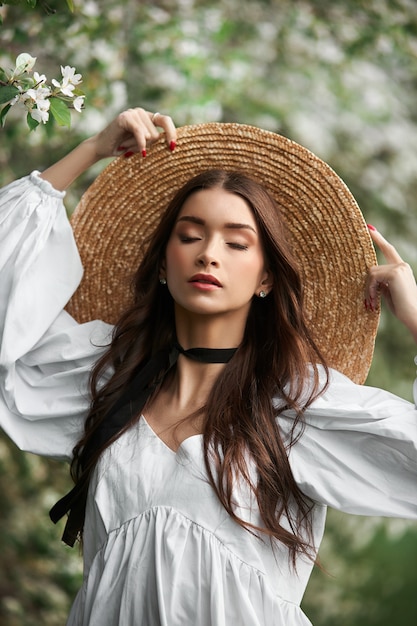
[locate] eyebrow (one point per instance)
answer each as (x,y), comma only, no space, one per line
(228,225)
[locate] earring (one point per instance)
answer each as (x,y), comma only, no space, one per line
(162,281)
(262,294)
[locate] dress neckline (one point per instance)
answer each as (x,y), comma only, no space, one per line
(164,444)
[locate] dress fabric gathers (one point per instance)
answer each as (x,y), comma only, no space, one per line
(159,549)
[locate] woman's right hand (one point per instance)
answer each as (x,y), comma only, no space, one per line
(133,131)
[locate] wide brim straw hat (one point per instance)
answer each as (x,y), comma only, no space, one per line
(328,233)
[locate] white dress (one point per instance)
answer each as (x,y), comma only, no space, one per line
(159,548)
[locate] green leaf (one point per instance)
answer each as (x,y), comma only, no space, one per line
(60,112)
(7,93)
(3,114)
(70,4)
(3,75)
(31,122)
(50,127)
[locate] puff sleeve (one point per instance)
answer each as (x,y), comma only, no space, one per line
(45,356)
(358,451)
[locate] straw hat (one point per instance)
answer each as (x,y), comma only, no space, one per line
(327,230)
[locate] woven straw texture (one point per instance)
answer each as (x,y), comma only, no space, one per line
(327,230)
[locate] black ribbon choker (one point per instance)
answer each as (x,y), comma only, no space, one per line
(206,355)
(130,404)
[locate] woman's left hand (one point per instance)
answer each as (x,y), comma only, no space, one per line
(395,282)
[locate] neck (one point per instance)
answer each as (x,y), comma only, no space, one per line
(191,384)
(193,380)
(208,331)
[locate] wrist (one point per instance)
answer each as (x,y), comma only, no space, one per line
(90,150)
(412,327)
(63,173)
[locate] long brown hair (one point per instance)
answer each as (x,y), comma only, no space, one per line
(276,359)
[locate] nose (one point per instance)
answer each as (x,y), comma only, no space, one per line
(204,260)
(207,256)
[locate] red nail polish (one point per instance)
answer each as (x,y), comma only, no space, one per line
(121,149)
(371,227)
(172,146)
(128,154)
(144,153)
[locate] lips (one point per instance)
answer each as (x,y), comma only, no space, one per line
(206,279)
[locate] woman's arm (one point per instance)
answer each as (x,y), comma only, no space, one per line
(132,131)
(45,356)
(395,282)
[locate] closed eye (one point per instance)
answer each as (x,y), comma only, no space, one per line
(186,239)
(237,246)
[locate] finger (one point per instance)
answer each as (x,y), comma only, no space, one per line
(377,283)
(139,141)
(390,253)
(144,131)
(391,281)
(138,128)
(371,289)
(127,144)
(166,122)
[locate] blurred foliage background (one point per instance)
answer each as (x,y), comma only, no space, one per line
(339,77)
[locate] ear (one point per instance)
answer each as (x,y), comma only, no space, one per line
(267,282)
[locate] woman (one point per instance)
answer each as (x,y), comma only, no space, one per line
(213,435)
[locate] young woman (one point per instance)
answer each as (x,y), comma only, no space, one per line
(205,430)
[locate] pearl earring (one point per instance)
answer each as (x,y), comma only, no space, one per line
(163,281)
(262,294)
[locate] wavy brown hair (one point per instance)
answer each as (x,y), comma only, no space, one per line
(277,359)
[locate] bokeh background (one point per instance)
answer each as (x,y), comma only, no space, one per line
(339,77)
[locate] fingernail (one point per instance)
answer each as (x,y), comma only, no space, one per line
(371,227)
(121,148)
(172,146)
(128,154)
(144,153)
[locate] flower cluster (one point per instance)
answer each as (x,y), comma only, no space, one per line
(40,99)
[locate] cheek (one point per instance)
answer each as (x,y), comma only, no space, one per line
(176,257)
(253,268)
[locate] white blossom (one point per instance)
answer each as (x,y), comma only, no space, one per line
(41,113)
(36,98)
(68,90)
(78,103)
(39,78)
(40,100)
(37,95)
(69,80)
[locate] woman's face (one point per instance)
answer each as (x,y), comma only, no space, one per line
(214,262)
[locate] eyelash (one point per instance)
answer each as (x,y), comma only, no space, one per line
(235,246)
(185,239)
(238,246)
